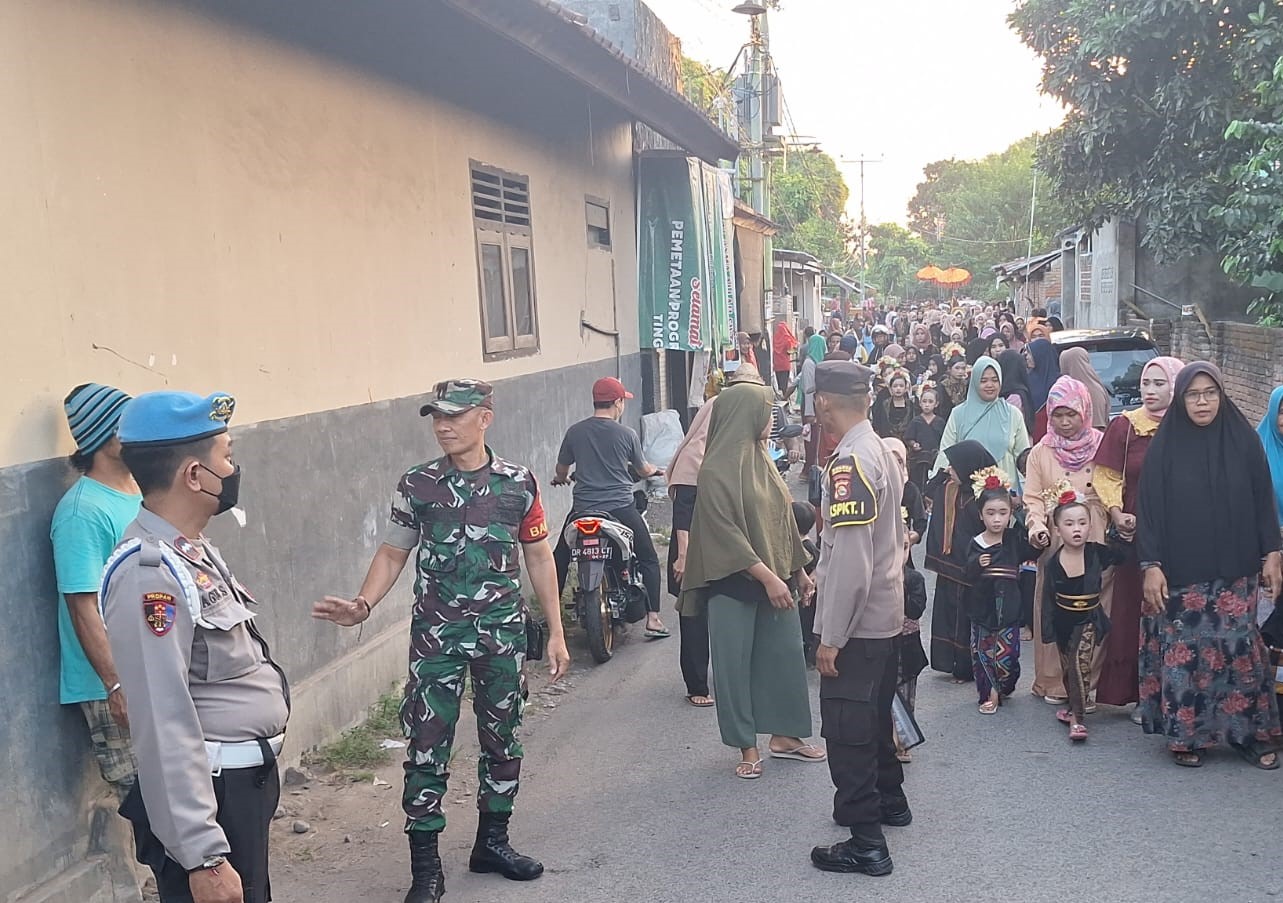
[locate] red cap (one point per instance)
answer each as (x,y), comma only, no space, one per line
(609,389)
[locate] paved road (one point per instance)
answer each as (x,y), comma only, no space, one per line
(628,795)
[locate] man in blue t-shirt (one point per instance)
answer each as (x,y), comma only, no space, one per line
(87,524)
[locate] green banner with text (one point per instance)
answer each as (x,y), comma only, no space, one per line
(672,254)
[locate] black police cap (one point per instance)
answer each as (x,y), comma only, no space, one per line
(843,378)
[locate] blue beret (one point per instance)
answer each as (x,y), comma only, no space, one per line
(172,418)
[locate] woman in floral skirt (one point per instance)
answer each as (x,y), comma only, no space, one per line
(1208,530)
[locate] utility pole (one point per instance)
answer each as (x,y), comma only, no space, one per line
(864,225)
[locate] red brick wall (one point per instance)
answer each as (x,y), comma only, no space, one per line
(1251,357)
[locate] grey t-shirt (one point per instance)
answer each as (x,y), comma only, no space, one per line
(601,451)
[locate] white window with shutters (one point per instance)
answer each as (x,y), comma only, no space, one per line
(505,261)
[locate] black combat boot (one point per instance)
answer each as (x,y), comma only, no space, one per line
(896,813)
(868,855)
(493,853)
(428,885)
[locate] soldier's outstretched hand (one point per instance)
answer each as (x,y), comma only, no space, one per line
(558,658)
(344,612)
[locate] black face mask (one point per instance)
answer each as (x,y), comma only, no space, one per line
(229,491)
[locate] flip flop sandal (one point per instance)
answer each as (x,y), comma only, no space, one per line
(1188,758)
(708,701)
(660,634)
(752,774)
(1064,717)
(989,708)
(1078,732)
(797,755)
(1252,756)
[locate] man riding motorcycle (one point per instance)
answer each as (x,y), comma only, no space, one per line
(607,457)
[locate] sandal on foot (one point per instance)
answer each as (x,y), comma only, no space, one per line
(1078,732)
(1188,758)
(988,707)
(1254,756)
(656,633)
(749,771)
(700,702)
(799,753)
(1064,717)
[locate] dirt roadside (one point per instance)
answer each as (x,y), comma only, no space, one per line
(339,839)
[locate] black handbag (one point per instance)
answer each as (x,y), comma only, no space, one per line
(535,639)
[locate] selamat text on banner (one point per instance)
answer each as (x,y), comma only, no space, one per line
(671,263)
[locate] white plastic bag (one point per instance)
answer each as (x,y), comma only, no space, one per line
(661,434)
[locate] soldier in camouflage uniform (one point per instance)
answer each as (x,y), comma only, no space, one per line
(468,513)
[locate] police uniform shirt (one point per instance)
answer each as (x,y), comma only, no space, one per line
(860,578)
(187,677)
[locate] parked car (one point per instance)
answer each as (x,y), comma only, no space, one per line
(1118,355)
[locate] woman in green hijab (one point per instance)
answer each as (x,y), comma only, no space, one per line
(745,563)
(815,349)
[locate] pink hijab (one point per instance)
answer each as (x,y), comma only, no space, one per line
(1170,367)
(1075,452)
(683,470)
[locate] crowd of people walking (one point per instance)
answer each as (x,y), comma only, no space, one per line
(1139,556)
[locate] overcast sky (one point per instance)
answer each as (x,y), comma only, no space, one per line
(910,81)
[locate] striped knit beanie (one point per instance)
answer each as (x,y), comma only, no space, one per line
(93,412)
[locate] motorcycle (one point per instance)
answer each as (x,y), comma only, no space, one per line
(610,590)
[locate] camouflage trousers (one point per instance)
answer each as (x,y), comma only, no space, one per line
(429,714)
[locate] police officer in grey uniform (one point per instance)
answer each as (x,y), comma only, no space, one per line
(859,613)
(207,704)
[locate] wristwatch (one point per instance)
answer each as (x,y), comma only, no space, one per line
(1146,565)
(211,862)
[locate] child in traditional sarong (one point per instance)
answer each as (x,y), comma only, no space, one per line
(993,600)
(1072,616)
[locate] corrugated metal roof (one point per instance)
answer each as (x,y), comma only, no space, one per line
(563,39)
(1026,265)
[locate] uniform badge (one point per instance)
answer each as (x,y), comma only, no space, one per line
(852,501)
(203,581)
(221,407)
(158,612)
(187,548)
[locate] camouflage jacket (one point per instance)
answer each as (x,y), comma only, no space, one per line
(467,528)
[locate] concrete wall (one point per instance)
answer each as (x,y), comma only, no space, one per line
(1251,357)
(270,200)
(316,492)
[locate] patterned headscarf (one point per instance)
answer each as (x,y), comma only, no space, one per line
(1075,452)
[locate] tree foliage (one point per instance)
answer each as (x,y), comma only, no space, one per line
(1252,215)
(808,197)
(1150,86)
(895,256)
(975,213)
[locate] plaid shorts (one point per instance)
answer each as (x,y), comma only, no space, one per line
(111,746)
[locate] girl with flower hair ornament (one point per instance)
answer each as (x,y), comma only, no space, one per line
(1073,614)
(992,600)
(1064,455)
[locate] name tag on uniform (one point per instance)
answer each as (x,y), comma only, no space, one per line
(852,501)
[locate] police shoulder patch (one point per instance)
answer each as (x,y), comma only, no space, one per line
(158,612)
(852,501)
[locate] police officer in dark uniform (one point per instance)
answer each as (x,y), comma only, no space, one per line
(207,704)
(859,614)
(464,516)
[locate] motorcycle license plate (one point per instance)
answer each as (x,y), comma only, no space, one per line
(594,553)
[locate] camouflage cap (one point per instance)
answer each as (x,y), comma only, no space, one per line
(455,396)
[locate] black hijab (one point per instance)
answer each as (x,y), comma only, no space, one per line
(955,519)
(977,348)
(1207,507)
(1015,381)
